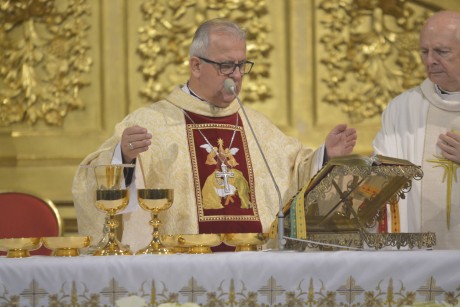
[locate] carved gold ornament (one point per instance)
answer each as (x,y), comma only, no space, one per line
(371,52)
(165,38)
(43,49)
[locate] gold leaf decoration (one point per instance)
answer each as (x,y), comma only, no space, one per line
(44,60)
(165,38)
(371,53)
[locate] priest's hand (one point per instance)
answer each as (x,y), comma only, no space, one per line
(134,140)
(340,141)
(449,143)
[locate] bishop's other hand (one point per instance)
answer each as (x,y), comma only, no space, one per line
(340,141)
(449,143)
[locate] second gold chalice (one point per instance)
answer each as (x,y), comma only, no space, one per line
(155,201)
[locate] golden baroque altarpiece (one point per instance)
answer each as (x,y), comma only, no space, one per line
(71,69)
(370,47)
(44,60)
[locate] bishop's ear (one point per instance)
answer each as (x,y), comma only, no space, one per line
(195,66)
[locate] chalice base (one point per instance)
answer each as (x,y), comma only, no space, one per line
(155,248)
(112,248)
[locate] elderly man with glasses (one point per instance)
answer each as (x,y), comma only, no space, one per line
(198,142)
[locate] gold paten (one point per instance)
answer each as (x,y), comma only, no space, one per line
(245,241)
(345,199)
(66,246)
(155,201)
(19,247)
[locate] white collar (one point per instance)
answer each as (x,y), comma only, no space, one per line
(446,95)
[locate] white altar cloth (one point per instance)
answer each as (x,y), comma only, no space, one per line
(345,278)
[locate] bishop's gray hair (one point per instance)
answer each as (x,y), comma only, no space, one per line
(200,40)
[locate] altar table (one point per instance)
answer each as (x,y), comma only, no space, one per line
(263,278)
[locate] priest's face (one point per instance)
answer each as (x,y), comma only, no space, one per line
(207,79)
(440,50)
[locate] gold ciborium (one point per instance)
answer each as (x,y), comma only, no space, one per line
(199,243)
(246,241)
(66,246)
(111,198)
(19,247)
(155,201)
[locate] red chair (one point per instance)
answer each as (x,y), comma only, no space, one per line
(24,215)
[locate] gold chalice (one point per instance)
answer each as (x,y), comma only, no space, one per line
(111,198)
(155,201)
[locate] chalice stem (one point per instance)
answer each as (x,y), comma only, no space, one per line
(155,246)
(155,222)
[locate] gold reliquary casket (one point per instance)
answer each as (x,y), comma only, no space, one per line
(345,202)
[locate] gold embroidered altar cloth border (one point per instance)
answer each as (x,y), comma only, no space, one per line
(270,278)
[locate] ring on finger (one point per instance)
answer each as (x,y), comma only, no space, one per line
(130,145)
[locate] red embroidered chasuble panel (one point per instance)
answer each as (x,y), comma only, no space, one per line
(225,194)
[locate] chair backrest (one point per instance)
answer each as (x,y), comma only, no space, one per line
(24,215)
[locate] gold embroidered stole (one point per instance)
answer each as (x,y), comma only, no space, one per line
(225,195)
(440,202)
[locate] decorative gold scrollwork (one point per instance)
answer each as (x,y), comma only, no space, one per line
(371,53)
(44,59)
(165,39)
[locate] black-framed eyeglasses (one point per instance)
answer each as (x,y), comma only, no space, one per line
(227,68)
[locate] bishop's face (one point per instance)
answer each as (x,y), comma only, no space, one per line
(209,85)
(440,51)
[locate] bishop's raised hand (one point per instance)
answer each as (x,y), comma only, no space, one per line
(134,140)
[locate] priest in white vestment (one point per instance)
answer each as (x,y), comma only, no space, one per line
(422,125)
(197,141)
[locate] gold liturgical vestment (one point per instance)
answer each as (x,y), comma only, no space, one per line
(229,192)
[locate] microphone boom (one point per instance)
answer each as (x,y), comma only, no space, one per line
(230,87)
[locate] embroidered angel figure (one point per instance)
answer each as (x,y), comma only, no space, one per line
(210,160)
(226,155)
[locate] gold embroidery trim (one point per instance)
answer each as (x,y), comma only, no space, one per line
(394,213)
(199,196)
(450,173)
